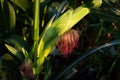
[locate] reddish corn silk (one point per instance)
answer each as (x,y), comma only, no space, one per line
(68,42)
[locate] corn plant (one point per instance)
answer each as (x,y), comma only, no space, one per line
(31,55)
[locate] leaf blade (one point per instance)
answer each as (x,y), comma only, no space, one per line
(23,4)
(15,52)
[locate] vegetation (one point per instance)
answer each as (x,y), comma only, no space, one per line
(59,40)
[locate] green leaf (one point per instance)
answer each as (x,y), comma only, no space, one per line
(62,24)
(4,15)
(47,68)
(18,43)
(106,16)
(93,4)
(12,18)
(96,3)
(15,52)
(7,57)
(2,74)
(23,4)
(7,18)
(51,34)
(41,60)
(9,66)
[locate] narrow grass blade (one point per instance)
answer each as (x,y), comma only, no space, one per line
(85,55)
(107,17)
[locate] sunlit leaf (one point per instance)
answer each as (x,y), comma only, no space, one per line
(52,33)
(18,43)
(23,4)
(96,3)
(62,24)
(15,52)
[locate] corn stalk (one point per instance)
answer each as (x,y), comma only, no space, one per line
(54,29)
